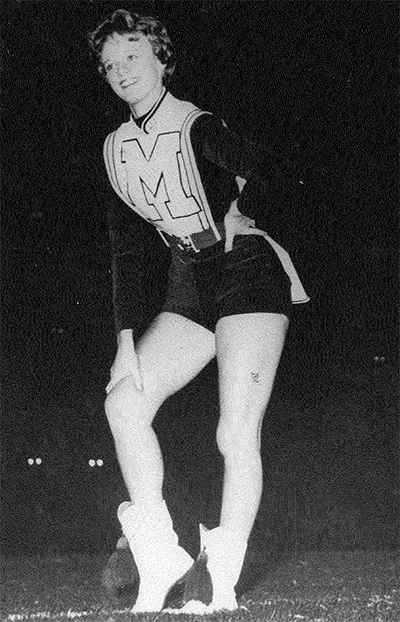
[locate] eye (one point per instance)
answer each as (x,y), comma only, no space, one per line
(131,57)
(108,67)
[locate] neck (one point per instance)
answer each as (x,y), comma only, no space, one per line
(144,106)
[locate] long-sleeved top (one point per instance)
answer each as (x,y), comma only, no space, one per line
(151,168)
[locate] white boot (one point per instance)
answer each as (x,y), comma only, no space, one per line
(224,552)
(154,545)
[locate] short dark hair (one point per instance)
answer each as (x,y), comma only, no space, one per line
(122,22)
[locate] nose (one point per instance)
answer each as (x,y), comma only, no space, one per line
(122,69)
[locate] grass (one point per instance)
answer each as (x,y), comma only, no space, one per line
(313,587)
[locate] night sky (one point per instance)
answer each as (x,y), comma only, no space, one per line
(316,82)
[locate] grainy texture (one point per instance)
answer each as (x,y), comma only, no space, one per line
(329,587)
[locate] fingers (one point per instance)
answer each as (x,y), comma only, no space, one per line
(138,380)
(115,379)
(113,382)
(244,222)
(239,226)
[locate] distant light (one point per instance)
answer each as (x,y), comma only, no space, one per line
(92,463)
(100,462)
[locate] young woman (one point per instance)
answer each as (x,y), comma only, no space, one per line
(230,294)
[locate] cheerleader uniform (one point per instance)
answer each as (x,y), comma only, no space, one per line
(180,168)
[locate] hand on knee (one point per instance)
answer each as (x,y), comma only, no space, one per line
(126,407)
(121,397)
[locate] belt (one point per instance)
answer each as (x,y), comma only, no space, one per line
(204,239)
(197,241)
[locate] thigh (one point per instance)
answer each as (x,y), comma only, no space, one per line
(171,353)
(249,347)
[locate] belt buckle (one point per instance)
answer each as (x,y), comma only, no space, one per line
(187,245)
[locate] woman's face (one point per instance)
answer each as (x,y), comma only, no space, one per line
(133,70)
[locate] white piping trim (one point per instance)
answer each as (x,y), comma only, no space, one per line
(192,171)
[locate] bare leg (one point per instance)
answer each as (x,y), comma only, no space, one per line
(249,348)
(171,353)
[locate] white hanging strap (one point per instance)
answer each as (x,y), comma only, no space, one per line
(298,292)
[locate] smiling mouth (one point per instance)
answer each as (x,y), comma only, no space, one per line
(125,85)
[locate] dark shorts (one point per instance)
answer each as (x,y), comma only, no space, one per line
(212,284)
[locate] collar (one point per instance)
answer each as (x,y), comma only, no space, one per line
(144,119)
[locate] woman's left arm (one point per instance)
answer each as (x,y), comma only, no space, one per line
(226,149)
(215,142)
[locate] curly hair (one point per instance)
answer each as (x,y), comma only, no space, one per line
(122,22)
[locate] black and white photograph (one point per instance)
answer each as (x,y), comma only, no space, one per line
(200,310)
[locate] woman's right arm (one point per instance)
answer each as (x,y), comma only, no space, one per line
(129,303)
(125,362)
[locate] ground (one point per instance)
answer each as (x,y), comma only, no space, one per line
(333,586)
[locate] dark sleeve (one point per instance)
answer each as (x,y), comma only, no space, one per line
(127,238)
(265,174)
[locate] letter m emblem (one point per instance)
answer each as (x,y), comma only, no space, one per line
(156,178)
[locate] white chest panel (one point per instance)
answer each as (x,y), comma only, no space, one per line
(154,174)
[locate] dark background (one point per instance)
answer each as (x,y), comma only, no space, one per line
(317,83)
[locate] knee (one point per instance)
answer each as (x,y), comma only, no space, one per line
(128,408)
(237,442)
